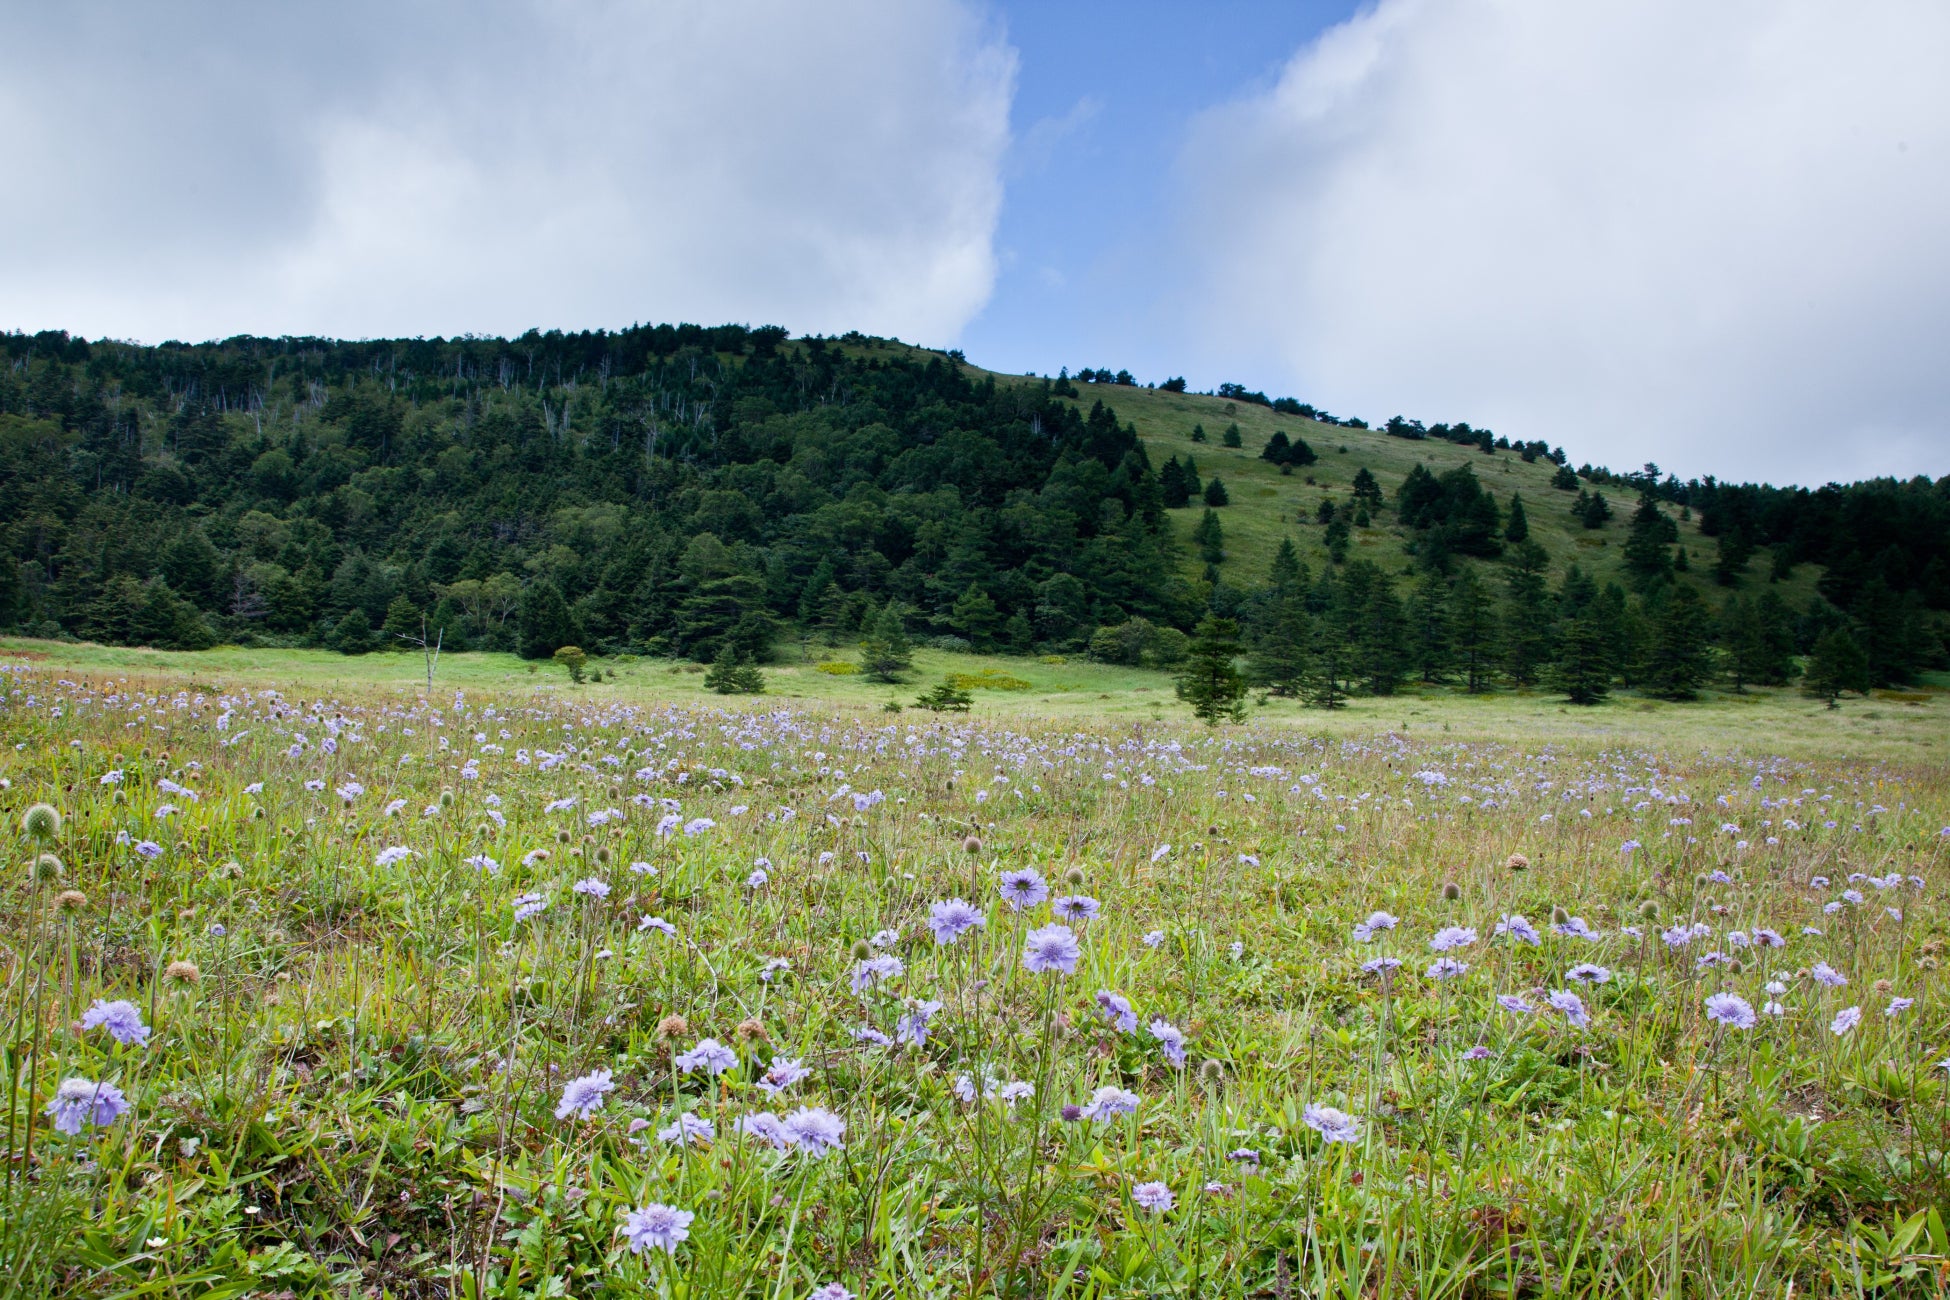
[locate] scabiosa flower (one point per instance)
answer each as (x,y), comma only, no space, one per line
(1110,1101)
(1769,938)
(583,1097)
(1117,1010)
(868,1034)
(876,970)
(1895,1008)
(710,1056)
(1153,938)
(656,923)
(687,1129)
(121,1019)
(1477,1053)
(1015,1091)
(1171,1041)
(1244,1156)
(657,1227)
(1155,1197)
(1823,973)
(953,917)
(1075,907)
(397,853)
(885,938)
(79,1102)
(1519,928)
(1051,948)
(529,905)
(1446,968)
(482,862)
(1571,1005)
(1332,1125)
(1375,924)
(1731,1009)
(148,849)
(1514,1003)
(1024,888)
(1845,1019)
(832,1291)
(1381,965)
(815,1130)
(1451,937)
(782,1074)
(592,887)
(912,1028)
(1587,972)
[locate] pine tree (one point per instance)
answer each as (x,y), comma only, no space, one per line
(1565,480)
(1837,665)
(1583,667)
(1231,437)
(402,625)
(1379,629)
(1287,576)
(734,674)
(1198,433)
(1330,649)
(975,616)
(1474,631)
(1432,648)
(1210,536)
(1173,485)
(1677,665)
(1210,682)
(946,698)
(886,653)
(1366,490)
(1279,658)
(1526,630)
(1215,493)
(353,634)
(1275,448)
(543,622)
(1646,556)
(1518,529)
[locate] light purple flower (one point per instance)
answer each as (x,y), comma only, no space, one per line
(592,887)
(710,1056)
(1110,1101)
(657,1227)
(79,1102)
(876,970)
(1514,1002)
(1731,1009)
(1823,973)
(1895,1008)
(1451,937)
(656,923)
(1571,1005)
(953,917)
(148,849)
(1381,965)
(832,1291)
(782,1074)
(1075,907)
(122,1020)
(1153,938)
(912,1028)
(1586,972)
(1117,1010)
(1375,924)
(815,1130)
(1519,928)
(1051,948)
(1447,968)
(583,1097)
(687,1129)
(1155,1197)
(1171,1041)
(1845,1019)
(1332,1125)
(1024,888)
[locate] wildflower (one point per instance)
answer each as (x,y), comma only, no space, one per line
(148,849)
(78,1102)
(1586,971)
(1515,1003)
(1376,922)
(1446,968)
(912,1028)
(953,917)
(757,879)
(815,1130)
(1117,1009)
(710,1056)
(122,1020)
(482,862)
(41,821)
(1171,1041)
(1244,1156)
(687,1129)
(1730,1009)
(1773,1008)
(1075,907)
(1381,965)
(1572,1006)
(698,825)
(766,1127)
(1518,928)
(1823,973)
(1451,937)
(868,1034)
(1845,1019)
(1153,938)
(771,967)
(833,1290)
(1110,1101)
(1016,1091)
(529,905)
(1024,888)
(782,1074)
(657,1227)
(876,970)
(1332,1125)
(1160,853)
(1051,948)
(885,938)
(1895,1008)
(592,887)
(583,1097)
(1155,1197)
(397,853)
(642,869)
(656,923)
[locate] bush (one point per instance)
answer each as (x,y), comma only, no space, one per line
(987,680)
(946,698)
(953,644)
(838,668)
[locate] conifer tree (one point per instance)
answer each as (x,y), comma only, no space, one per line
(886,653)
(1583,666)
(1677,665)
(1518,529)
(1473,630)
(1279,658)
(734,674)
(1525,634)
(1646,556)
(1210,536)
(1432,649)
(1210,682)
(1837,665)
(1215,493)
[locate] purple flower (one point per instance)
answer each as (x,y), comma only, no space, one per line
(593,887)
(710,1056)
(1051,948)
(875,970)
(1381,965)
(1155,1197)
(1375,924)
(1171,1041)
(1895,1008)
(656,923)
(1075,907)
(1332,1125)
(1571,1005)
(1731,1009)
(657,1227)
(953,917)
(1586,972)
(121,1019)
(1477,1053)
(1451,937)
(1518,928)
(1117,1009)
(78,1102)
(832,1291)
(397,853)
(1513,1002)
(1110,1101)
(1024,888)
(815,1130)
(1823,973)
(583,1097)
(766,1127)
(912,1028)
(1446,968)
(782,1074)
(687,1129)
(1153,938)
(148,848)
(1845,1019)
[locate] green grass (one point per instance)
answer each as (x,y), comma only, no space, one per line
(352,1088)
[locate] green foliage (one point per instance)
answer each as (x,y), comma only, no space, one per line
(574,661)
(734,674)
(1210,681)
(1215,493)
(886,652)
(353,635)
(947,697)
(1837,665)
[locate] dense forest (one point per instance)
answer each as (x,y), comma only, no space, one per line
(686,490)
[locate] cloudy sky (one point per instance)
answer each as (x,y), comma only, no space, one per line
(1705,235)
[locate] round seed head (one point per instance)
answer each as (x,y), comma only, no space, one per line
(46,867)
(673,1027)
(603,854)
(1451,891)
(1517,862)
(446,798)
(1883,987)
(749,1030)
(862,950)
(972,844)
(1649,909)
(41,821)
(71,900)
(561,837)
(1073,877)
(1559,916)
(182,972)
(1211,1072)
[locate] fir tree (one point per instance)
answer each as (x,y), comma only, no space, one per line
(975,617)
(886,653)
(1279,659)
(1518,528)
(543,623)
(1473,630)
(946,698)
(1677,665)
(1432,649)
(1198,433)
(1210,682)
(1583,666)
(1172,485)
(1837,665)
(1215,493)
(1366,490)
(402,626)
(1526,630)
(1210,536)
(1646,556)
(1231,437)
(734,674)
(353,633)
(1288,577)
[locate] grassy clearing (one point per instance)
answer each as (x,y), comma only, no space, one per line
(351,921)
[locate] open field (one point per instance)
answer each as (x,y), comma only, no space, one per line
(313,986)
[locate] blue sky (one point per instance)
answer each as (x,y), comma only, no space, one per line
(1706,235)
(1104,94)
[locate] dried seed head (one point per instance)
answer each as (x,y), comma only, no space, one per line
(1073,877)
(71,900)
(1883,987)
(41,821)
(1649,909)
(1517,862)
(561,837)
(673,1027)
(182,972)
(1559,916)
(1211,1072)
(972,844)
(749,1030)
(603,854)
(1451,891)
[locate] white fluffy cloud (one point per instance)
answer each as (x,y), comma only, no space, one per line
(375,169)
(1706,234)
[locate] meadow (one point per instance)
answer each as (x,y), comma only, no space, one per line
(316,985)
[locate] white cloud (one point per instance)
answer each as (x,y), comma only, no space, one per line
(1709,235)
(456,166)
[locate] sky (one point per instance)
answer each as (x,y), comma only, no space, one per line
(1703,235)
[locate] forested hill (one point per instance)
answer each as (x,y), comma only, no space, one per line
(678,489)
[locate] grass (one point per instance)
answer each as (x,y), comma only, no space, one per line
(362,1042)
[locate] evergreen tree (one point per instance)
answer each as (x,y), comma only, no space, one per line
(1583,666)
(1431,648)
(1198,433)
(1565,480)
(543,623)
(1215,493)
(1231,437)
(1837,665)
(734,674)
(1380,630)
(1646,556)
(1473,628)
(1210,682)
(1677,665)
(353,633)
(402,626)
(1518,528)
(975,616)
(1279,658)
(1366,490)
(1210,536)
(1276,448)
(946,698)
(886,652)
(1330,655)
(1526,630)
(1288,577)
